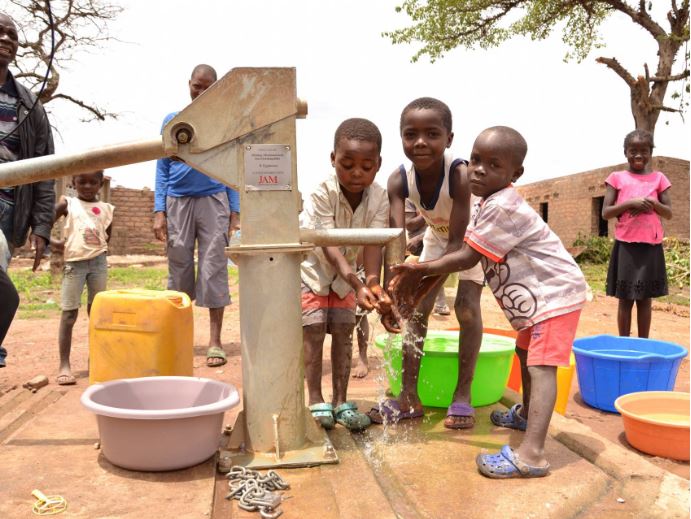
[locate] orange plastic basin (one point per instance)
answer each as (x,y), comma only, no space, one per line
(657,422)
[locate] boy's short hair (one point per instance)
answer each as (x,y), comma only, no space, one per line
(514,141)
(643,135)
(430,103)
(358,129)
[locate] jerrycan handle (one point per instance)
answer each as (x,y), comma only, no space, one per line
(178,299)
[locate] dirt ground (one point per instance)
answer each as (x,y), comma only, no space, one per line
(33,350)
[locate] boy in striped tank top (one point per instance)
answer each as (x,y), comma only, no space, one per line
(535,281)
(438,186)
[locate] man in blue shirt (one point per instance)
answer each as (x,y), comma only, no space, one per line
(193,208)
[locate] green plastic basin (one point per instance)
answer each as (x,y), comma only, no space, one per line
(439,367)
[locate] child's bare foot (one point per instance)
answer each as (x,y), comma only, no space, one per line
(360,370)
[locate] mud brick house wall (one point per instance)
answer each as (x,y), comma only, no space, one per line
(133,222)
(573,204)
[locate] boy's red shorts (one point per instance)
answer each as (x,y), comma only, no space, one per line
(329,309)
(549,342)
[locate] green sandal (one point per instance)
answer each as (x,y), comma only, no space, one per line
(214,353)
(349,417)
(323,413)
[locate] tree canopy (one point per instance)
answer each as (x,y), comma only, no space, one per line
(79,25)
(442,25)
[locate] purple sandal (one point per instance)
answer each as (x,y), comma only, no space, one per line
(461,410)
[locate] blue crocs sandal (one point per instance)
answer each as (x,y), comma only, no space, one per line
(510,419)
(349,417)
(323,413)
(506,464)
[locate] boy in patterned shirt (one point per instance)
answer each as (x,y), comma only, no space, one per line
(536,283)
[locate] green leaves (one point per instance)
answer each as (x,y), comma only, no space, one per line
(441,25)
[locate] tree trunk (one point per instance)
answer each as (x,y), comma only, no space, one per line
(644,115)
(648,94)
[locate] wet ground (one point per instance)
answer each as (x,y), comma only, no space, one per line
(412,470)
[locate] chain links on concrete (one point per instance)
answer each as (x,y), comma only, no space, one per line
(255,492)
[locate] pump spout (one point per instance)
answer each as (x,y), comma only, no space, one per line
(392,239)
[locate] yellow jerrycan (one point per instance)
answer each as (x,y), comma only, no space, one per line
(140,333)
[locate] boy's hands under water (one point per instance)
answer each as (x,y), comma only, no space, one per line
(407,288)
(404,287)
(375,297)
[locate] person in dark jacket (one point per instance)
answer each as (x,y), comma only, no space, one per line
(24,133)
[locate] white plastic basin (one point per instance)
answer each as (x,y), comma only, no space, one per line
(159,423)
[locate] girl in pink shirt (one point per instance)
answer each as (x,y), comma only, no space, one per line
(637,197)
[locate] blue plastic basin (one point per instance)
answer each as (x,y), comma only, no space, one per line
(609,367)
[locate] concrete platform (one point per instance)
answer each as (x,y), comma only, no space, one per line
(413,470)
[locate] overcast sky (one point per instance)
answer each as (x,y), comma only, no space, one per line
(574,116)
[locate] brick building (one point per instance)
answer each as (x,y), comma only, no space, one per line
(133,222)
(572,204)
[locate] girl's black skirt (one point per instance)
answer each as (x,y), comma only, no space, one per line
(637,271)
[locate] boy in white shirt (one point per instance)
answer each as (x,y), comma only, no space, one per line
(330,286)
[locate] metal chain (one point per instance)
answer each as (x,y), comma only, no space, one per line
(256,492)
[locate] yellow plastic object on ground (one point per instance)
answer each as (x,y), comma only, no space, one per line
(48,505)
(140,333)
(564,378)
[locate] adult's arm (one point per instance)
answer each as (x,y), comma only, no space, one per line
(234,204)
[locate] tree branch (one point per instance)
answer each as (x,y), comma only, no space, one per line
(665,108)
(639,16)
(613,64)
(97,112)
(675,77)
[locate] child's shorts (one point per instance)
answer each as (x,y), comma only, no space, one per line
(549,342)
(327,310)
(92,272)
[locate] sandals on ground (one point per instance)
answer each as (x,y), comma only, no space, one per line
(505,465)
(323,413)
(510,419)
(349,417)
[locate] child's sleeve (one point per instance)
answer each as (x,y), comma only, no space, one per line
(664,184)
(496,232)
(613,180)
(380,219)
(322,211)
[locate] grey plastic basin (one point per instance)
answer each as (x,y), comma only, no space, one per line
(159,423)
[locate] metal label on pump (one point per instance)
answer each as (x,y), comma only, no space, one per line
(267,167)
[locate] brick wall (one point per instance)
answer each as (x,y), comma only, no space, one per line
(133,222)
(572,201)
